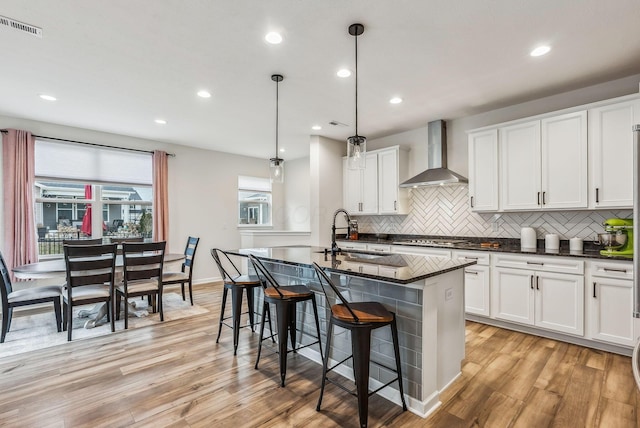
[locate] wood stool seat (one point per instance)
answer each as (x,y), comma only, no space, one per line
(367,312)
(292,292)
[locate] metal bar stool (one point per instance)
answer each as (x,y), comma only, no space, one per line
(285,298)
(237,283)
(360,318)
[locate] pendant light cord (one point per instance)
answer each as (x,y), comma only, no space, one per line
(356,85)
(277,114)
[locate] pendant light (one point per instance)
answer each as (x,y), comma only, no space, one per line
(276,164)
(356,145)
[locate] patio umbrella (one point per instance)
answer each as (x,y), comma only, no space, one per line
(86,220)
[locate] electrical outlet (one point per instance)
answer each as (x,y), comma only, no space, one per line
(448,294)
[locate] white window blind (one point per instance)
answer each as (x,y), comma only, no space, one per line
(254,183)
(68,161)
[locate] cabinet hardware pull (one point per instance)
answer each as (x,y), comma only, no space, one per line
(544,194)
(597,195)
(538,198)
(395,205)
(594,291)
(535,263)
(471,272)
(614,270)
(537,283)
(531,281)
(472,202)
(471,258)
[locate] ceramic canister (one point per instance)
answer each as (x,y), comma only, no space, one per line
(552,242)
(528,238)
(575,245)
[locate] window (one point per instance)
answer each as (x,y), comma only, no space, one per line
(254,201)
(74,202)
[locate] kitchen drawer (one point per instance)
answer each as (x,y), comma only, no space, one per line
(351,245)
(379,248)
(611,269)
(481,257)
(420,251)
(541,264)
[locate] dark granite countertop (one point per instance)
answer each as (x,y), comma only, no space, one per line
(400,268)
(506,245)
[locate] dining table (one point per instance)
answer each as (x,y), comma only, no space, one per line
(56,268)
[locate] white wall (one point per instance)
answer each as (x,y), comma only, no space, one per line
(325,159)
(297,214)
(202,188)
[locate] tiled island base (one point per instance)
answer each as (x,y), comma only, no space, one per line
(431,327)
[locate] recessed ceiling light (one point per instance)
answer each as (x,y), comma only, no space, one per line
(273,38)
(204,94)
(161,121)
(395,100)
(48,97)
(344,72)
(540,50)
(281,150)
(316,127)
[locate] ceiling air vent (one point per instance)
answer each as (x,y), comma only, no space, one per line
(336,123)
(21,26)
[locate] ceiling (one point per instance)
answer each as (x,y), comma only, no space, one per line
(116,66)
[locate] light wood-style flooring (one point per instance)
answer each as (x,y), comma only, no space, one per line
(174,374)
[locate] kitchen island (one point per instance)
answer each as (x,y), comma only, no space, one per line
(425,292)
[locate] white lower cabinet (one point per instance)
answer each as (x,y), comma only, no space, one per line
(540,297)
(477,282)
(477,290)
(611,302)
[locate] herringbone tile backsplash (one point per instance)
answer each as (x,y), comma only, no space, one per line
(444,211)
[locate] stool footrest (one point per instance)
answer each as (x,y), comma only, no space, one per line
(242,326)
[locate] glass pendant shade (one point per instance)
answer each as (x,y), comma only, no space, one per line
(276,170)
(356,152)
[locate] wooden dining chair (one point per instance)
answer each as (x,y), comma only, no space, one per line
(29,296)
(141,275)
(185,276)
(90,279)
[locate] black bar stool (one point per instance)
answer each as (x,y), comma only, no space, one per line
(237,283)
(285,298)
(360,318)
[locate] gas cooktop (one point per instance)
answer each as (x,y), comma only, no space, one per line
(443,242)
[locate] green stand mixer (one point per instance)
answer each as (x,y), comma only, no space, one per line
(618,238)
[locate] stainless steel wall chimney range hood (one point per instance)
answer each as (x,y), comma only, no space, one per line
(437,172)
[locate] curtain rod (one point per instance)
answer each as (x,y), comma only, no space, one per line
(92,144)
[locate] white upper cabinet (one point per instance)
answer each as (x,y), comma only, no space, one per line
(359,196)
(520,166)
(580,158)
(564,161)
(611,152)
(391,199)
(543,163)
(374,190)
(483,170)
